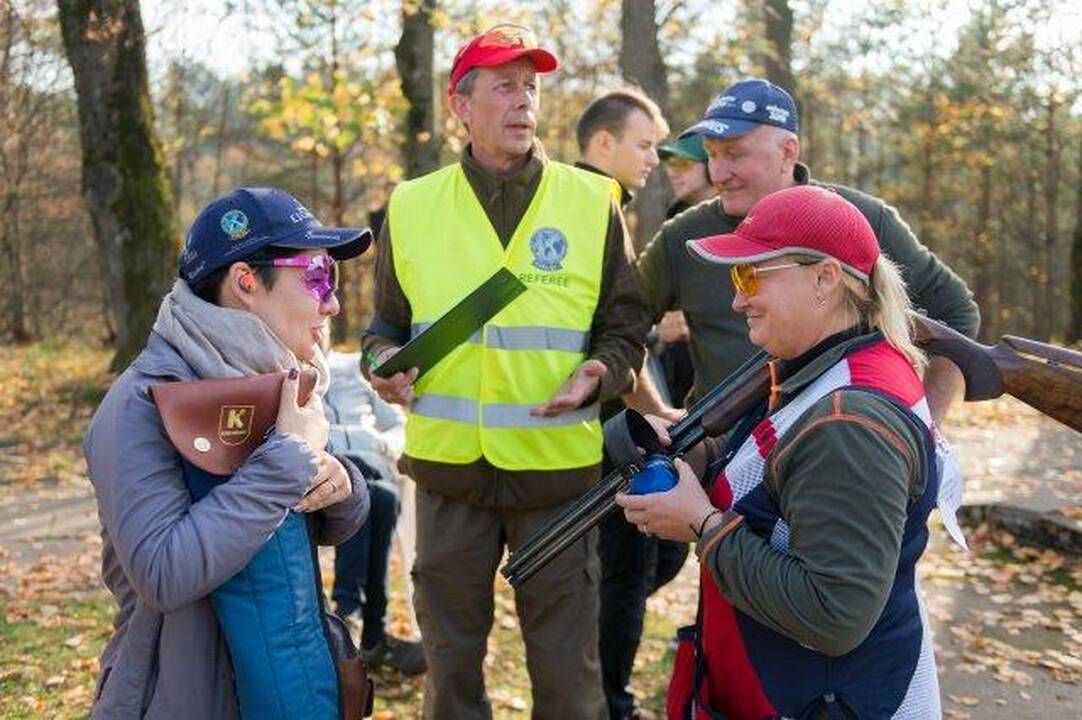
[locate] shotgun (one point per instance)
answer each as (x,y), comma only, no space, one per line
(1045,377)
(715,413)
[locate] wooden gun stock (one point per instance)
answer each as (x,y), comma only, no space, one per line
(1045,377)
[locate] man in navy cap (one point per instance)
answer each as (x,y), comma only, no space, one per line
(750,132)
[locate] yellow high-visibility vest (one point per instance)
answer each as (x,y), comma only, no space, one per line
(476,402)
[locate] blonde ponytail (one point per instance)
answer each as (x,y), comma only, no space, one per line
(885,307)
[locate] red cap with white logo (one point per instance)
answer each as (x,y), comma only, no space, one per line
(499,46)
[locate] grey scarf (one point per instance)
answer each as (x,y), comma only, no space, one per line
(220,342)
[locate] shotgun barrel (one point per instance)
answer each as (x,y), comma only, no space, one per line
(585,513)
(1045,377)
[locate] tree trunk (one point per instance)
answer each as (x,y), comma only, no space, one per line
(18,329)
(123,180)
(843,152)
(1049,326)
(181,144)
(315,197)
(23,114)
(777,60)
(1006,273)
(1074,330)
(928,171)
(346,293)
(863,167)
(641,63)
(11,238)
(984,287)
(1031,252)
(413,56)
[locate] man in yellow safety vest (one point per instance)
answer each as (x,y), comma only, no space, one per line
(503,433)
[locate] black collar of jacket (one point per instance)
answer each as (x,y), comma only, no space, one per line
(484,183)
(821,358)
(625,195)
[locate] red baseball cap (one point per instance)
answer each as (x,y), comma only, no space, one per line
(801,220)
(499,46)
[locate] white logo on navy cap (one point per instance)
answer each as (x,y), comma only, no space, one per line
(748,107)
(721,101)
(235,224)
(778,114)
(300,215)
(714,126)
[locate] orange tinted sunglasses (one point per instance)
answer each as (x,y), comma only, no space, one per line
(745,276)
(681,164)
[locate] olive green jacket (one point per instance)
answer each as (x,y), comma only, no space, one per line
(673,280)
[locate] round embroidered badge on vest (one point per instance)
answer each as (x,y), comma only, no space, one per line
(235,224)
(549,248)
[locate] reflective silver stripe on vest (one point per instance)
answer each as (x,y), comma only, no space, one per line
(525,338)
(518,416)
(418,328)
(497,415)
(537,338)
(446,407)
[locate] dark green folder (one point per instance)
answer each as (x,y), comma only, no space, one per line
(455,326)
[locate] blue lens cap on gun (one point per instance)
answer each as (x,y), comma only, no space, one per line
(634,448)
(658,475)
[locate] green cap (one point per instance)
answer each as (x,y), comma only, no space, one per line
(690,147)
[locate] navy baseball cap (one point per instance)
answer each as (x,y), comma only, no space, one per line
(246,220)
(741,108)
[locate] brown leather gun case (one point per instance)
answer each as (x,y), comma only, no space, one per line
(216,424)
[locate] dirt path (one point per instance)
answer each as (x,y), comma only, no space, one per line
(54,520)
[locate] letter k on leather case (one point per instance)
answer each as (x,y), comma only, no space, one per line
(216,424)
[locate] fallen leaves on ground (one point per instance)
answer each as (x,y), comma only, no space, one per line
(47,395)
(1023,609)
(51,575)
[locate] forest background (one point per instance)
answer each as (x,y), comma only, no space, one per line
(965,115)
(119,119)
